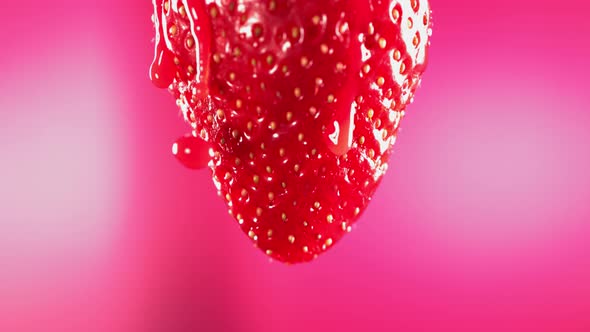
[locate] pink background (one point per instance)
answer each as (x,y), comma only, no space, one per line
(481,224)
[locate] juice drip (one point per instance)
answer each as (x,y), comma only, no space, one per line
(170,18)
(339,134)
(163,68)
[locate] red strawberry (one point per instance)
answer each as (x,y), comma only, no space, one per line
(301,102)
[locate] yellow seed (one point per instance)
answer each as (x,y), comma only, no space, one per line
(190,42)
(259,211)
(291,239)
(173,30)
(269,59)
(256,179)
(395,14)
(214,12)
(289,116)
(304,61)
(382,42)
(295,33)
(378,123)
(329,242)
(330,218)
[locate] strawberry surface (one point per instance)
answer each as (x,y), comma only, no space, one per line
(300,102)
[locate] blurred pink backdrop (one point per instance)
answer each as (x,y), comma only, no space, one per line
(481,224)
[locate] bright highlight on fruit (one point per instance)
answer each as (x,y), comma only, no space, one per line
(298,104)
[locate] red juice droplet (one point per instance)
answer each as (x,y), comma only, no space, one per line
(191,151)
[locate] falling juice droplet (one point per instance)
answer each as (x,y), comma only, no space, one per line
(162,68)
(191,151)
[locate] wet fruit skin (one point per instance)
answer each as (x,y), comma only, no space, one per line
(300,102)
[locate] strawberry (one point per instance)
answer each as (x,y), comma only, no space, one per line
(300,102)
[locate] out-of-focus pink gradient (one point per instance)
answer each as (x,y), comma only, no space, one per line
(481,224)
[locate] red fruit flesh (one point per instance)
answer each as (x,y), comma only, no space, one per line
(301,102)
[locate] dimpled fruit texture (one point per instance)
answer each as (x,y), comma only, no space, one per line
(300,102)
